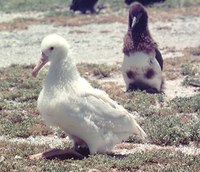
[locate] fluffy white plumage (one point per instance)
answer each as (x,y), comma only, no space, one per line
(141,62)
(69,102)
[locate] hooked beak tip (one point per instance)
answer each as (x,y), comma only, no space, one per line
(33,74)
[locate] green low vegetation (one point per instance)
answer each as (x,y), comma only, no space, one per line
(28,5)
(174,122)
(191,81)
(166,122)
(178,3)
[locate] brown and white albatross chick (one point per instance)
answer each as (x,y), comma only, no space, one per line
(69,102)
(142,64)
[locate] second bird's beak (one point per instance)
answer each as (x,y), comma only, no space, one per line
(136,19)
(133,22)
(43,60)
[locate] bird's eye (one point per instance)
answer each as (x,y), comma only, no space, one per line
(139,15)
(51,48)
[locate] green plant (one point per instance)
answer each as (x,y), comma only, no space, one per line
(195,51)
(97,70)
(191,81)
(186,104)
(20,119)
(167,130)
(28,5)
(194,130)
(144,103)
(177,3)
(189,70)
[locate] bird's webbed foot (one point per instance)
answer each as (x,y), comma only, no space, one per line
(56,152)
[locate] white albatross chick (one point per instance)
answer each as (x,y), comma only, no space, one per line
(69,102)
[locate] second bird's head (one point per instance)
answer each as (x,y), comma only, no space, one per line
(138,18)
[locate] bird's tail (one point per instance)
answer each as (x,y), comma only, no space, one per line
(137,130)
(140,132)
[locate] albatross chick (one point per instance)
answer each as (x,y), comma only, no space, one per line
(69,102)
(143,63)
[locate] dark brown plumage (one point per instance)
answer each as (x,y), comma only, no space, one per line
(138,38)
(83,5)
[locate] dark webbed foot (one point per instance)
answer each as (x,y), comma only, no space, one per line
(56,152)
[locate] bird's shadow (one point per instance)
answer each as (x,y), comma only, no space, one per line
(65,157)
(86,154)
(83,151)
(117,156)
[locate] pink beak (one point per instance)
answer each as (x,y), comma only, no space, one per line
(43,60)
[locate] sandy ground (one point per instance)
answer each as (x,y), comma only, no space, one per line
(96,43)
(101,43)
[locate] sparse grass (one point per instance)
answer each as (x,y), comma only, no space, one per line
(19,118)
(58,13)
(174,122)
(194,130)
(195,51)
(18,23)
(97,70)
(53,5)
(145,104)
(164,160)
(28,5)
(18,97)
(190,63)
(168,130)
(50,5)
(191,81)
(177,67)
(189,70)
(172,68)
(177,3)
(186,104)
(187,67)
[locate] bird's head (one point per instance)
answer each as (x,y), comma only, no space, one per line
(54,48)
(138,18)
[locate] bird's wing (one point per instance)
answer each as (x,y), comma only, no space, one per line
(102,96)
(159,58)
(107,114)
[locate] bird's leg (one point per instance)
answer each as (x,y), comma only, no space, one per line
(79,144)
(55,152)
(76,146)
(81,148)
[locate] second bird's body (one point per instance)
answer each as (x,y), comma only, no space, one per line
(142,64)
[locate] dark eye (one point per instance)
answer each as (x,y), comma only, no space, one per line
(51,48)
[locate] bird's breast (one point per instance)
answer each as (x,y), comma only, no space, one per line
(138,61)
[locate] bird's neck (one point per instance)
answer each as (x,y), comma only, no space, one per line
(141,36)
(143,41)
(62,72)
